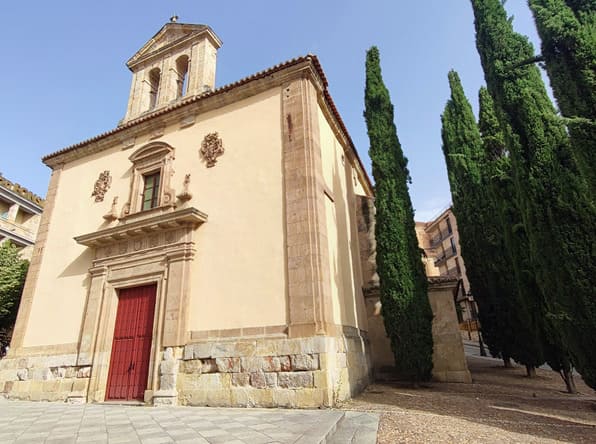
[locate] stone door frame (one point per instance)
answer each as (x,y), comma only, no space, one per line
(115,279)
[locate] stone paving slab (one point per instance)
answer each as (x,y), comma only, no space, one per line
(44,422)
(356,428)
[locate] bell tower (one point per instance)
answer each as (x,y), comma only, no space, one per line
(179,61)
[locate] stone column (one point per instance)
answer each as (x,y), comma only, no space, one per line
(449,360)
(92,312)
(175,329)
(18,334)
(306,232)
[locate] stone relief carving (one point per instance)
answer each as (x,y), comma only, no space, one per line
(212,148)
(169,194)
(102,185)
(113,214)
(123,248)
(141,243)
(185,194)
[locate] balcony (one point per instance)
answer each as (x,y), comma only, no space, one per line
(436,241)
(447,255)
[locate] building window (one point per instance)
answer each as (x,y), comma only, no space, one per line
(449,229)
(453,247)
(151,174)
(182,72)
(154,79)
(457,266)
(150,191)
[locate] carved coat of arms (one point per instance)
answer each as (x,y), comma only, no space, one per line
(211,148)
(102,185)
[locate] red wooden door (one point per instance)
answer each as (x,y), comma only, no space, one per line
(131,348)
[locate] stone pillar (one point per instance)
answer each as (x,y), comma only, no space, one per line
(201,70)
(175,330)
(92,312)
(449,360)
(306,232)
(18,334)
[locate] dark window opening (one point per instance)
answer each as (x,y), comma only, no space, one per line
(154,78)
(150,191)
(449,229)
(453,247)
(182,81)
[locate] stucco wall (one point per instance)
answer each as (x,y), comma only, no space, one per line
(344,258)
(238,277)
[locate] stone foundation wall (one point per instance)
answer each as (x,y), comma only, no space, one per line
(309,372)
(266,372)
(44,378)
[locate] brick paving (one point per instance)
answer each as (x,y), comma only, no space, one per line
(43,422)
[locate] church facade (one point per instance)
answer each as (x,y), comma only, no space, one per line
(203,252)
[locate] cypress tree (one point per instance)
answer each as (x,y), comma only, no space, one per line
(569,50)
(403,285)
(533,342)
(558,211)
(509,320)
(543,340)
(568,33)
(462,148)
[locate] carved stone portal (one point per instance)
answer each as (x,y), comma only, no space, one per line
(102,185)
(211,148)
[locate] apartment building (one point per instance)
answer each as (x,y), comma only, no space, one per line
(20,213)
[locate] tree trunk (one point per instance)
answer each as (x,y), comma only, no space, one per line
(530,371)
(507,362)
(567,375)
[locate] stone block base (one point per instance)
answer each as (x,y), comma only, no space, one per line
(274,372)
(44,378)
(306,372)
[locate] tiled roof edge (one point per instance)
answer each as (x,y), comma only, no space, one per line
(259,75)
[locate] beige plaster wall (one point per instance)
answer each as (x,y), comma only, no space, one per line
(239,270)
(344,257)
(238,276)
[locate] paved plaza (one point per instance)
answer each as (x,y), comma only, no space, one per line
(44,422)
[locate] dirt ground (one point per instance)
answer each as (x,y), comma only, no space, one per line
(500,406)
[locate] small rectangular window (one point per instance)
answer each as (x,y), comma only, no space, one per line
(150,191)
(449,229)
(453,247)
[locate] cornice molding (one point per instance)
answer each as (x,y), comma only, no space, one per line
(140,226)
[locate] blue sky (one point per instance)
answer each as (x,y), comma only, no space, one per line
(65,79)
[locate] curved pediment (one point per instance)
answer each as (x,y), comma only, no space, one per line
(151,150)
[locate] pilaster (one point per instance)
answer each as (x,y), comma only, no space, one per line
(175,331)
(22,320)
(309,287)
(92,311)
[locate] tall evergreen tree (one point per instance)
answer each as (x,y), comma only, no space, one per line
(558,211)
(568,33)
(508,322)
(569,50)
(462,148)
(535,339)
(404,296)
